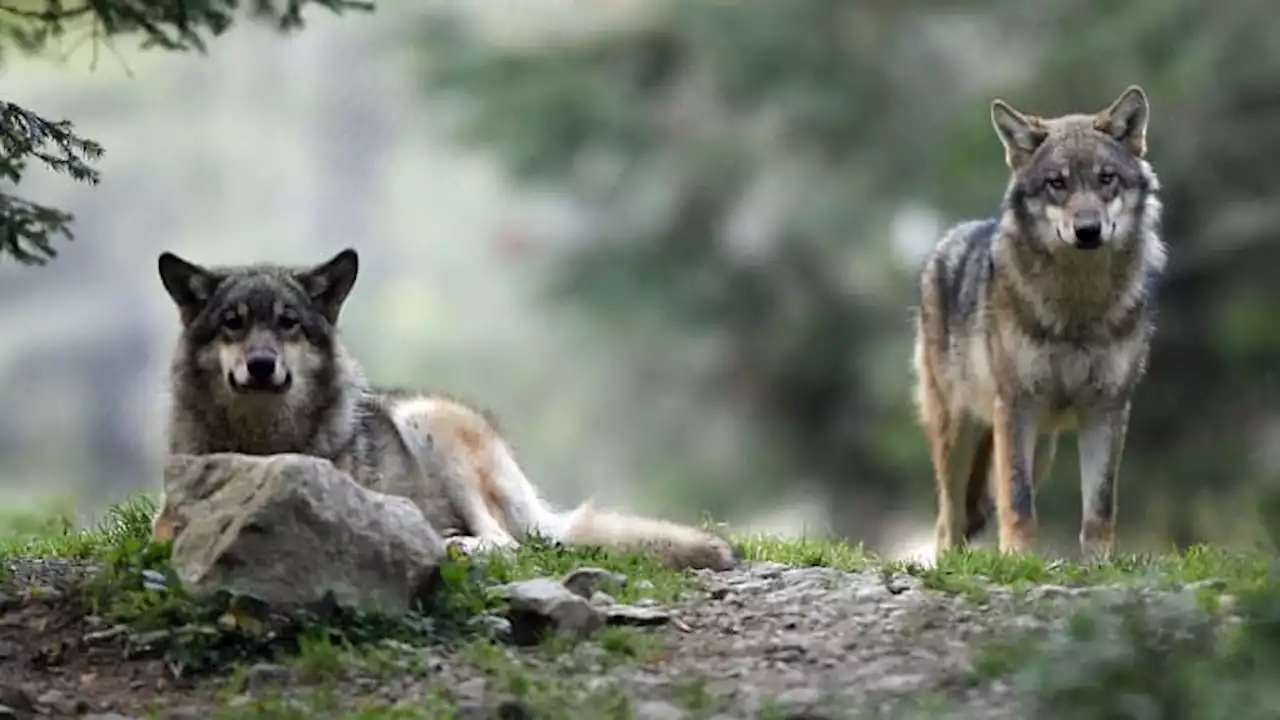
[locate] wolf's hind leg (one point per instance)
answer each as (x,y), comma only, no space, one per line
(943,429)
(453,445)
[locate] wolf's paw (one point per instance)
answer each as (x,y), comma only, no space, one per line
(470,545)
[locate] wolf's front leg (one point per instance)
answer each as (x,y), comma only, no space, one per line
(1101,441)
(1014,447)
(487,529)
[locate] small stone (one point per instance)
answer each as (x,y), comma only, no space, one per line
(472,689)
(1227,604)
(658,710)
(872,594)
(636,616)
(542,604)
(586,581)
(42,594)
(768,570)
(263,674)
(16,703)
(103,637)
(751,586)
(511,710)
(60,702)
(498,627)
(900,583)
(148,643)
(1048,592)
(50,697)
(799,700)
(1208,584)
(899,683)
(602,598)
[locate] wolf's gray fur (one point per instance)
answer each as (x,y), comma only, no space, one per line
(1040,320)
(259,369)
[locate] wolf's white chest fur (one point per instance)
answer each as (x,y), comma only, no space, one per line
(1064,378)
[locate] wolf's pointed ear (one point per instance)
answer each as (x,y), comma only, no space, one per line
(188,284)
(1021,134)
(329,284)
(1126,120)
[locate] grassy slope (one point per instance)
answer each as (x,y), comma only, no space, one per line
(1129,650)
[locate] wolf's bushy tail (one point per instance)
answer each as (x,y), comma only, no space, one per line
(678,546)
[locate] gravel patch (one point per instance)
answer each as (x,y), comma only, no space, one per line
(764,640)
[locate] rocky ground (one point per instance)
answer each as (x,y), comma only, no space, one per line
(765,640)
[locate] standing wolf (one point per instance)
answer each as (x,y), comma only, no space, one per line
(259,369)
(1040,321)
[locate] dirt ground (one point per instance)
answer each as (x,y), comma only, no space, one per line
(764,640)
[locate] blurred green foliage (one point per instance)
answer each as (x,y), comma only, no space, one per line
(1154,656)
(28,229)
(746,165)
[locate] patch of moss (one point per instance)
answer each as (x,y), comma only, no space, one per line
(807,552)
(136,588)
(972,570)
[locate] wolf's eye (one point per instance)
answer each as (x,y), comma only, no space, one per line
(287,320)
(1107,178)
(232,321)
(1057,182)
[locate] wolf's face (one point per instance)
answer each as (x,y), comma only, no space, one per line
(258,334)
(1079,181)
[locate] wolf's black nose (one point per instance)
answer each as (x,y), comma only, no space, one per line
(1089,233)
(261,367)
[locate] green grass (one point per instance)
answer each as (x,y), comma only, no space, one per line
(807,552)
(973,571)
(469,583)
(1121,651)
(137,588)
(53,534)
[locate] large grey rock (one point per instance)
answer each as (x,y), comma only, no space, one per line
(288,529)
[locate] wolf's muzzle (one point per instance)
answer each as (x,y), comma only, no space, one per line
(262,373)
(1088,233)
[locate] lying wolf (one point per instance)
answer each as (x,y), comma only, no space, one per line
(259,369)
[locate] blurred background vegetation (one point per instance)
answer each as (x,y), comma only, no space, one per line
(671,242)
